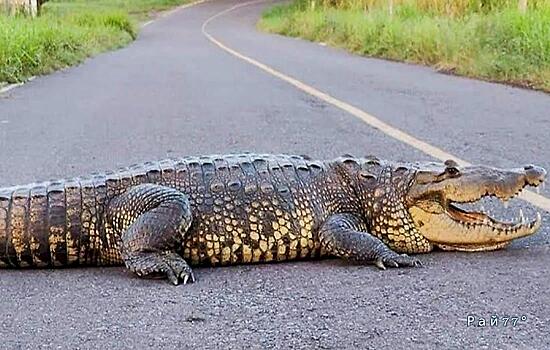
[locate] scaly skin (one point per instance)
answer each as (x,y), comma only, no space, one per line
(159,218)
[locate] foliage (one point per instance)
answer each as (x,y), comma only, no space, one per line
(68,31)
(488,39)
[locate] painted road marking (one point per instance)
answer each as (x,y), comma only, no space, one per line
(436,152)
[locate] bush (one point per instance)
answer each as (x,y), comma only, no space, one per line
(66,32)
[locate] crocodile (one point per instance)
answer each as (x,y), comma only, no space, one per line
(160,218)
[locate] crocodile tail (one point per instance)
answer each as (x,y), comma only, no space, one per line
(40,225)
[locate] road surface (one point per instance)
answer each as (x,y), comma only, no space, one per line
(173,92)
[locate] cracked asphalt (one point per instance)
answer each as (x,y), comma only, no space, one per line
(172,92)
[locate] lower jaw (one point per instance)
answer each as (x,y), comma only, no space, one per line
(472,247)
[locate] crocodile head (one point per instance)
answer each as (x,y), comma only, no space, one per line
(413,207)
(437,190)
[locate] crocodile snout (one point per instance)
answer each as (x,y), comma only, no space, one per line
(534,174)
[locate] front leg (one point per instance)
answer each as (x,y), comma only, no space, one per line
(344,235)
(152,221)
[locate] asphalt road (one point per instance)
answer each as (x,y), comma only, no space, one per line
(173,92)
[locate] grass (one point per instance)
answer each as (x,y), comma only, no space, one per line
(68,31)
(486,39)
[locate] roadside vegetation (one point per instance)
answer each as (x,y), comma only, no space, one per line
(487,39)
(68,31)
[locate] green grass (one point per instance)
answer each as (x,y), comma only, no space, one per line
(68,31)
(493,42)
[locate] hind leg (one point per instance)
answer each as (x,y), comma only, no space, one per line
(153,221)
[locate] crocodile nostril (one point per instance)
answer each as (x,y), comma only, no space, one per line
(534,174)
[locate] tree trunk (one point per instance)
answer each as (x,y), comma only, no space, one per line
(522,6)
(28,6)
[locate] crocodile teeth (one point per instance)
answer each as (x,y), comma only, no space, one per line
(521,216)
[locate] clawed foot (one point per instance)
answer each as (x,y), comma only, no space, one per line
(177,271)
(397,260)
(168,265)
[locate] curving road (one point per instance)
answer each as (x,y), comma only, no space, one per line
(173,92)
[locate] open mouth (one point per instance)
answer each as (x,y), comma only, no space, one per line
(464,224)
(485,231)
(470,219)
(520,223)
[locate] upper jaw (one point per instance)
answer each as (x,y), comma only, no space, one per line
(504,184)
(476,182)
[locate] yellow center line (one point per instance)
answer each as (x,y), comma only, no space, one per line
(436,152)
